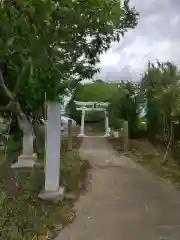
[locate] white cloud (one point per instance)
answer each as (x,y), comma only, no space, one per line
(113,57)
(157,36)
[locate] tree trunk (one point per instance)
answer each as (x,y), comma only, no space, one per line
(27,158)
(169,142)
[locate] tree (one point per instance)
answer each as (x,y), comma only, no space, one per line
(124,106)
(123,98)
(46,45)
(161,89)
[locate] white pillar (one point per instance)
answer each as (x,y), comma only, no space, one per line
(52,148)
(107,134)
(82,123)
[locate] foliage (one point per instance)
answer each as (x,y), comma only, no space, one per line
(124,102)
(160,88)
(169,172)
(23,214)
(150,157)
(46,45)
(98,91)
(124,105)
(3,125)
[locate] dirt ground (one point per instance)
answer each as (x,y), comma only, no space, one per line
(135,145)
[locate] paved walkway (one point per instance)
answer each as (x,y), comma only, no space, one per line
(124,201)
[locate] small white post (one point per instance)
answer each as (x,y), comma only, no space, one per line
(52,167)
(82,123)
(107,134)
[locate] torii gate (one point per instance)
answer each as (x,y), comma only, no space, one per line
(93,106)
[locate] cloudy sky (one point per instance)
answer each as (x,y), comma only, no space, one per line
(157,36)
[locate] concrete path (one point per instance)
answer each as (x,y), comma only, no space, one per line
(124,201)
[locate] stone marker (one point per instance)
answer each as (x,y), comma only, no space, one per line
(52,188)
(28,157)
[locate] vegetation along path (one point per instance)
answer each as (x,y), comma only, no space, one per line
(123,201)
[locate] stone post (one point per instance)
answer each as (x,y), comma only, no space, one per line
(125,136)
(52,144)
(82,123)
(107,134)
(70,135)
(28,157)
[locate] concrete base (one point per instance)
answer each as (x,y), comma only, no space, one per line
(107,135)
(52,195)
(25,161)
(81,135)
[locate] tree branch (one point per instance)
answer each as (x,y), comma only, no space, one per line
(17,107)
(6,90)
(8,108)
(4,109)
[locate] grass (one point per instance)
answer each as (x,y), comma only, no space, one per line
(23,215)
(170,171)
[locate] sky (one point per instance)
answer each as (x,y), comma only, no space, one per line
(156,36)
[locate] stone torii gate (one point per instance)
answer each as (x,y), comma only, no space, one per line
(93,106)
